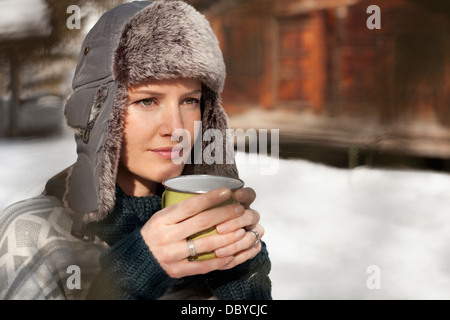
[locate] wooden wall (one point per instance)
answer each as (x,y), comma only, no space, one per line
(400,72)
(319,56)
(329,81)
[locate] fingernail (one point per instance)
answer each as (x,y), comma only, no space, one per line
(222,228)
(225,194)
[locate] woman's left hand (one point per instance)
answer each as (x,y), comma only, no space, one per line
(250,245)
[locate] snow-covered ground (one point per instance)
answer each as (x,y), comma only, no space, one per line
(331,233)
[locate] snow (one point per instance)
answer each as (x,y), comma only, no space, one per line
(327,229)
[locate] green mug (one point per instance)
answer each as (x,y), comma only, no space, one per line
(184,187)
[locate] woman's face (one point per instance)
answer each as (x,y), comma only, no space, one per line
(154,111)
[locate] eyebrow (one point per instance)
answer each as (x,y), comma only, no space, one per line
(160,94)
(194,92)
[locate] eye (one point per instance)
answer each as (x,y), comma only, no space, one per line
(148,102)
(191,101)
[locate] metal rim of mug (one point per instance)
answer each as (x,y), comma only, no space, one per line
(241,183)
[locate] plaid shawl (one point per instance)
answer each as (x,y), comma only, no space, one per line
(39,258)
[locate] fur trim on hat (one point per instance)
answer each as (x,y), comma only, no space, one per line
(169,39)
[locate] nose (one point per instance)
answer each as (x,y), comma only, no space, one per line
(171,119)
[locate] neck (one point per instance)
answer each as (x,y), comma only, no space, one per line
(135,186)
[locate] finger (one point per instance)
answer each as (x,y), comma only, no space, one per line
(245,196)
(248,220)
(213,242)
(178,251)
(190,207)
(190,268)
(243,256)
(246,243)
(207,219)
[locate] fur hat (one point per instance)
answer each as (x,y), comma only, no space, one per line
(129,44)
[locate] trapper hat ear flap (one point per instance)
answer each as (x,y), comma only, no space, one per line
(90,184)
(109,158)
(90,111)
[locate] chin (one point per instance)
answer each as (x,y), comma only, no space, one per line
(168,172)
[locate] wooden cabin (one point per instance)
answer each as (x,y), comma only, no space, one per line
(337,82)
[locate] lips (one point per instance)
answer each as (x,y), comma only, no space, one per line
(167,152)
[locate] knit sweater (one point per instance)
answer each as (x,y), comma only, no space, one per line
(130,271)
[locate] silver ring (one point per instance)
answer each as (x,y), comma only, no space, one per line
(257,237)
(191,247)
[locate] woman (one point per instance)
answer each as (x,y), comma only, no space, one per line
(144,71)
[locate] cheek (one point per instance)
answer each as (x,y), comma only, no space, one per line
(133,134)
(126,148)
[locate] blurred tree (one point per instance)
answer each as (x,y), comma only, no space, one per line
(44,62)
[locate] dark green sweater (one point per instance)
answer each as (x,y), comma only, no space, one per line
(130,271)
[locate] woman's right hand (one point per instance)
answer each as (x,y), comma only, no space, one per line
(166,231)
